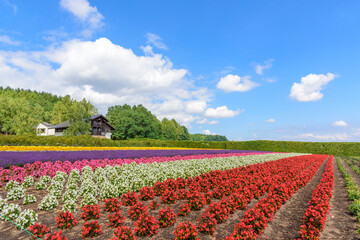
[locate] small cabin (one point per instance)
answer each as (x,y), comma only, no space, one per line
(100,127)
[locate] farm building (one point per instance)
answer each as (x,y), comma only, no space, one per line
(100,127)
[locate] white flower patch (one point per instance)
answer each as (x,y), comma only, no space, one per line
(28,181)
(108,190)
(27,218)
(89,187)
(10,211)
(16,193)
(45,179)
(48,202)
(88,199)
(41,185)
(11,184)
(70,194)
(69,205)
(29,199)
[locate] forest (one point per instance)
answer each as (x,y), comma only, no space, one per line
(22,110)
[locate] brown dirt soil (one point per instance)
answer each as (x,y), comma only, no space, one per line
(288,219)
(340,224)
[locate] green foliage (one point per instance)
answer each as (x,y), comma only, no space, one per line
(355,207)
(22,110)
(133,122)
(172,130)
(203,137)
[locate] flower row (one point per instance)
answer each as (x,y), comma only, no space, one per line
(297,175)
(9,158)
(318,207)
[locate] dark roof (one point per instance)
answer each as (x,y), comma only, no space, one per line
(65,124)
(98,115)
(47,124)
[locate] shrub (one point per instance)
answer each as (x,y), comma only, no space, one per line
(111,204)
(207,223)
(27,218)
(168,197)
(116,219)
(39,230)
(90,212)
(66,220)
(29,199)
(91,229)
(146,193)
(146,225)
(124,233)
(10,211)
(184,209)
(167,217)
(218,211)
(186,231)
(56,236)
(353,194)
(137,210)
(129,199)
(154,205)
(355,207)
(48,202)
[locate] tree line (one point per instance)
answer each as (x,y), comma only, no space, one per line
(22,110)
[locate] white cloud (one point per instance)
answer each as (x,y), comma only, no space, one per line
(267,65)
(340,123)
(326,137)
(221,112)
(213,122)
(11,5)
(148,51)
(232,83)
(271,120)
(7,40)
(155,40)
(202,121)
(310,86)
(106,74)
(208,132)
(197,106)
(87,14)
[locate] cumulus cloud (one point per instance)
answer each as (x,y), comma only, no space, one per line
(213,122)
(326,137)
(267,65)
(232,83)
(221,112)
(340,123)
(85,13)
(197,106)
(309,87)
(106,74)
(271,120)
(7,40)
(208,132)
(155,40)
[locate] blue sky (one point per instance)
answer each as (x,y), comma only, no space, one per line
(277,70)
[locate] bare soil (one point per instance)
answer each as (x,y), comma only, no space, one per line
(288,219)
(340,224)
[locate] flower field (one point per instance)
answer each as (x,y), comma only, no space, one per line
(206,195)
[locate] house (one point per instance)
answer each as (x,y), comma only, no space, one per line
(100,127)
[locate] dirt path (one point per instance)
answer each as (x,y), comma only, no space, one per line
(340,224)
(287,220)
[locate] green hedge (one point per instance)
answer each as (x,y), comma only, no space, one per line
(335,148)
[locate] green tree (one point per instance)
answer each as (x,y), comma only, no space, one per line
(133,122)
(172,130)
